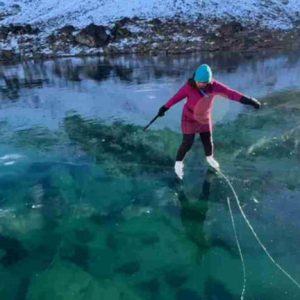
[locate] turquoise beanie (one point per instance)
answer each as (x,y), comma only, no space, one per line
(203,74)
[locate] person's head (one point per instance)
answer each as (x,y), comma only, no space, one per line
(203,76)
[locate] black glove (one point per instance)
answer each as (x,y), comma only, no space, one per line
(250,101)
(162,111)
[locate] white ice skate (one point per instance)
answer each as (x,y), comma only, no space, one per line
(179,169)
(212,162)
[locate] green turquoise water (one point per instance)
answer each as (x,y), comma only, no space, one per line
(90,207)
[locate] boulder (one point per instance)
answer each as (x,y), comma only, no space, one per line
(93,36)
(3,32)
(119,32)
(156,22)
(20,29)
(231,28)
(66,30)
(51,39)
(123,21)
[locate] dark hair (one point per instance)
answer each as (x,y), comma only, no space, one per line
(192,82)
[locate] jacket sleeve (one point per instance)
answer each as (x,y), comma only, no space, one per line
(227,92)
(180,95)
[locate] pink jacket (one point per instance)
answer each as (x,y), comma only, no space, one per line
(199,104)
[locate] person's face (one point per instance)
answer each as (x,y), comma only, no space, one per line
(201,85)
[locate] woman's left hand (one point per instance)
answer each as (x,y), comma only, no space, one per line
(251,101)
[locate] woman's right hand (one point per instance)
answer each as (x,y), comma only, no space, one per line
(162,111)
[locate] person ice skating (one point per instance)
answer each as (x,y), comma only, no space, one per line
(200,91)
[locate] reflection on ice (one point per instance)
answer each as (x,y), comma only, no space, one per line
(133,87)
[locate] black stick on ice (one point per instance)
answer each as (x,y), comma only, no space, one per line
(153,120)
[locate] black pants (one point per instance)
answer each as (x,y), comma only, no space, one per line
(188,140)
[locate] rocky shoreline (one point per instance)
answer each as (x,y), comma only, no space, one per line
(136,35)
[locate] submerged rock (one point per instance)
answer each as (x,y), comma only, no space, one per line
(129,268)
(150,287)
(215,289)
(150,240)
(13,251)
(187,294)
(175,278)
(22,289)
(84,235)
(65,281)
(80,256)
(125,148)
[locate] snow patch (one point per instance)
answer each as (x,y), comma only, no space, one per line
(57,13)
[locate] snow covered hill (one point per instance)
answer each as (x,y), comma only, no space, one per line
(52,28)
(57,13)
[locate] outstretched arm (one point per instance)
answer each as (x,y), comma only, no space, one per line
(180,95)
(227,92)
(234,95)
(250,101)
